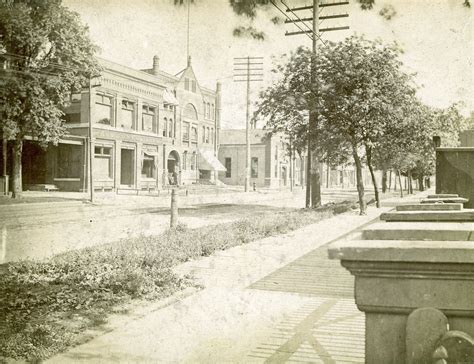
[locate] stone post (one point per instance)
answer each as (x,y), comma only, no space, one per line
(393,278)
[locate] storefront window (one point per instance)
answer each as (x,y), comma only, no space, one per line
(69,161)
(148,166)
(102,162)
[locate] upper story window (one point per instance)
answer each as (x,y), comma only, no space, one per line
(72,118)
(185,131)
(212,135)
(128,114)
(193,85)
(76,97)
(194,134)
(190,112)
(103,109)
(213,112)
(203,134)
(207,134)
(170,128)
(149,119)
(208,110)
(186,83)
(165,124)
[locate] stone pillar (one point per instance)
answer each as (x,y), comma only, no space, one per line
(138,165)
(138,114)
(393,278)
(117,164)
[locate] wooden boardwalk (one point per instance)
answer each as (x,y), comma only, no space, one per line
(329,329)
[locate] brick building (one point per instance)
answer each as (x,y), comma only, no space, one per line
(270,164)
(150,129)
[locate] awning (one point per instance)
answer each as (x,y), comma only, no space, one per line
(168,98)
(151,153)
(208,162)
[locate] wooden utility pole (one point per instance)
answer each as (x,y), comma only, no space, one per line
(174,208)
(247,74)
(91,145)
(313,177)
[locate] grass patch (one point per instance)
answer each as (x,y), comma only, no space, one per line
(45,307)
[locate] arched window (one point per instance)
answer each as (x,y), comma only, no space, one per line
(165,124)
(190,112)
(213,111)
(170,128)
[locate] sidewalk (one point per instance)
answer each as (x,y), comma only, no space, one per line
(275,300)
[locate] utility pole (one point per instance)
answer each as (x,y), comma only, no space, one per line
(247,74)
(90,178)
(91,152)
(313,178)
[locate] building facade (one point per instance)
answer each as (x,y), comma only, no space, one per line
(270,162)
(149,129)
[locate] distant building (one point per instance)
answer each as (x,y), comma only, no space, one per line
(270,164)
(150,129)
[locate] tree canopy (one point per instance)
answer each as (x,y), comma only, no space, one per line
(46,54)
(367,108)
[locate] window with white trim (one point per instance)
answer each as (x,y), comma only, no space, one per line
(103,109)
(128,114)
(102,162)
(149,119)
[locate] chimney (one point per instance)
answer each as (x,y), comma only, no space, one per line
(156,65)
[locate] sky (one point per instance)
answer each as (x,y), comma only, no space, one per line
(437,37)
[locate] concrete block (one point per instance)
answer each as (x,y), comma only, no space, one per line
(421,251)
(443,195)
(445,200)
(441,231)
(431,207)
(465,215)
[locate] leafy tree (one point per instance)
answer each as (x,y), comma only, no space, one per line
(47,54)
(363,89)
(286,105)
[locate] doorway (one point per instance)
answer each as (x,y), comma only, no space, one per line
(173,169)
(127,167)
(283,176)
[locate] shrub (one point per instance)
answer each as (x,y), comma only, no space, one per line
(46,305)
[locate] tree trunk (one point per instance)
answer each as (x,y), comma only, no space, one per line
(384,180)
(328,171)
(17,188)
(315,182)
(390,180)
(308,177)
(421,183)
(368,152)
(428,182)
(410,184)
(395,180)
(400,181)
(360,183)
